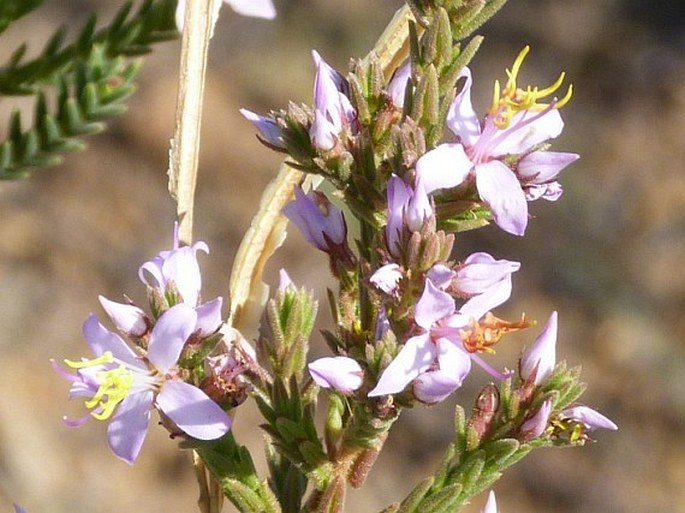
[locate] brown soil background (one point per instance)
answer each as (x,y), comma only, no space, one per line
(609,256)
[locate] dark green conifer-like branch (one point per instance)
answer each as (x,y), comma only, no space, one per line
(92,77)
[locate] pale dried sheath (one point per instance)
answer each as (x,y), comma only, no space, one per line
(185,146)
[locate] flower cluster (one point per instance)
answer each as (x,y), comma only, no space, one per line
(410,320)
(123,383)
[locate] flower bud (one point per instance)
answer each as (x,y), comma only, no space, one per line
(539,360)
(340,373)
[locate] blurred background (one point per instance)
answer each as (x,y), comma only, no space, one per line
(609,256)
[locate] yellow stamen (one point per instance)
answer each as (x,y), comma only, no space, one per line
(480,337)
(513,99)
(105,358)
(115,385)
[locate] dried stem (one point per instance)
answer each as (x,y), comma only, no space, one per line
(185,146)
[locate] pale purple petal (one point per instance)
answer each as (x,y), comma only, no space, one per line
(479,305)
(19,509)
(323,132)
(499,188)
(398,85)
(193,411)
(338,372)
(481,271)
(328,73)
(418,208)
(153,268)
(284,281)
(433,305)
(491,504)
(441,276)
(209,316)
(436,385)
(128,427)
(536,425)
(267,127)
(387,278)
(414,358)
(462,120)
(443,167)
(543,166)
(542,354)
(183,269)
(399,194)
(528,128)
(128,319)
(255,8)
(101,340)
(169,335)
(304,212)
(591,418)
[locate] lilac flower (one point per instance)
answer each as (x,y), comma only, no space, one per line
(19,509)
(319,221)
(387,278)
(537,424)
(267,127)
(178,266)
(124,386)
(426,350)
(589,418)
(515,125)
(255,8)
(333,112)
(128,318)
(439,359)
(491,504)
(407,207)
(338,372)
(539,360)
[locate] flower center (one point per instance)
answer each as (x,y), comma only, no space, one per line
(114,385)
(480,337)
(512,99)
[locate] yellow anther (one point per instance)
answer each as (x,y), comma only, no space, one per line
(105,358)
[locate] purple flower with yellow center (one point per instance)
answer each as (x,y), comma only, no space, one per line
(515,126)
(436,359)
(123,386)
(589,418)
